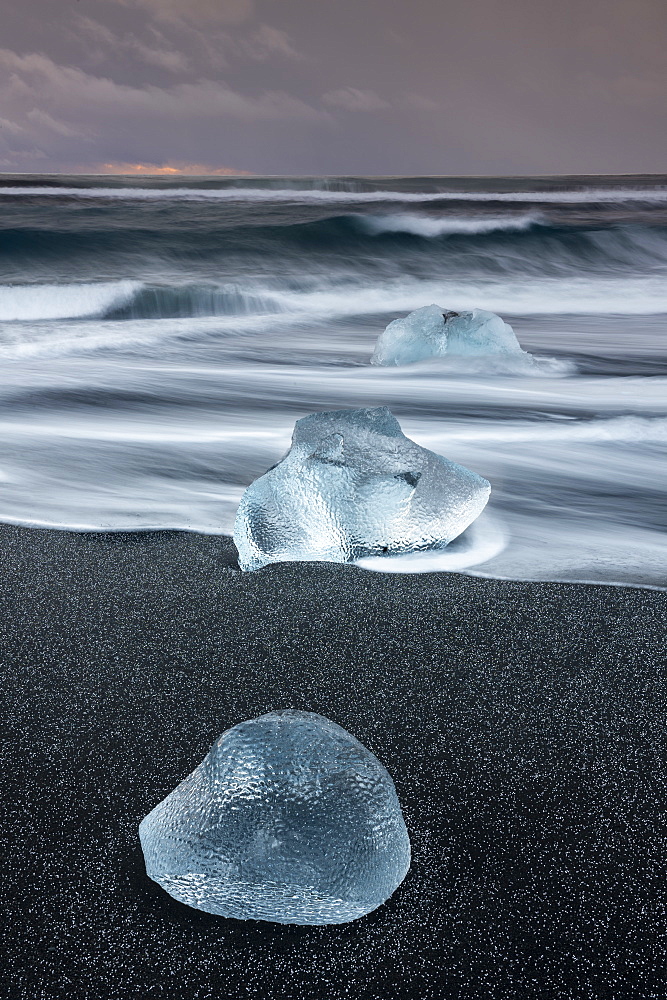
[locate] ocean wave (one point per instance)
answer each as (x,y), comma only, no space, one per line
(157,353)
(656,195)
(324,299)
(574,499)
(620,430)
(486,538)
(65,301)
(129,300)
(127,310)
(517,297)
(90,336)
(196,300)
(429,227)
(231,245)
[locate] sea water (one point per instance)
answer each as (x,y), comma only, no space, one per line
(159,338)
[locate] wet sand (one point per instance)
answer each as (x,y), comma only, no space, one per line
(524,726)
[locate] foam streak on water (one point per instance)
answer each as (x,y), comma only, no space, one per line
(158,343)
(297,195)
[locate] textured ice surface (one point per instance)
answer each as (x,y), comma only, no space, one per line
(353,485)
(433,332)
(288,818)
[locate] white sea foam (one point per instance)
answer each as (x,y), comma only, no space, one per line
(625,429)
(126,405)
(512,296)
(28,310)
(505,548)
(486,538)
(21,342)
(576,550)
(66,301)
(296,196)
(430,227)
(565,486)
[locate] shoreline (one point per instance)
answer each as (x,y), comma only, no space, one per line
(226,543)
(522,723)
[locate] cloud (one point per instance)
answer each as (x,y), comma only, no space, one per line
(19,156)
(163,56)
(416,102)
(635,90)
(36,81)
(268,42)
(7,126)
(351,99)
(170,169)
(97,31)
(42,118)
(74,118)
(221,11)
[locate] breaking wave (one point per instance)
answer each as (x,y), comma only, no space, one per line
(328,300)
(66,301)
(429,227)
(656,195)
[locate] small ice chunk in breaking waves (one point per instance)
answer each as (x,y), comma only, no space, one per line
(289,818)
(432,332)
(353,485)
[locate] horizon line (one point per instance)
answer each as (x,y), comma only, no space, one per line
(252,176)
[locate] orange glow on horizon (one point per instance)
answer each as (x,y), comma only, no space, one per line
(185,169)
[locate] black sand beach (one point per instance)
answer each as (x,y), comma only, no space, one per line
(524,726)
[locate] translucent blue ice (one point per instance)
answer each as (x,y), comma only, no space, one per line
(433,332)
(353,485)
(288,818)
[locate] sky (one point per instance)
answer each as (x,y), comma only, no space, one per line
(302,87)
